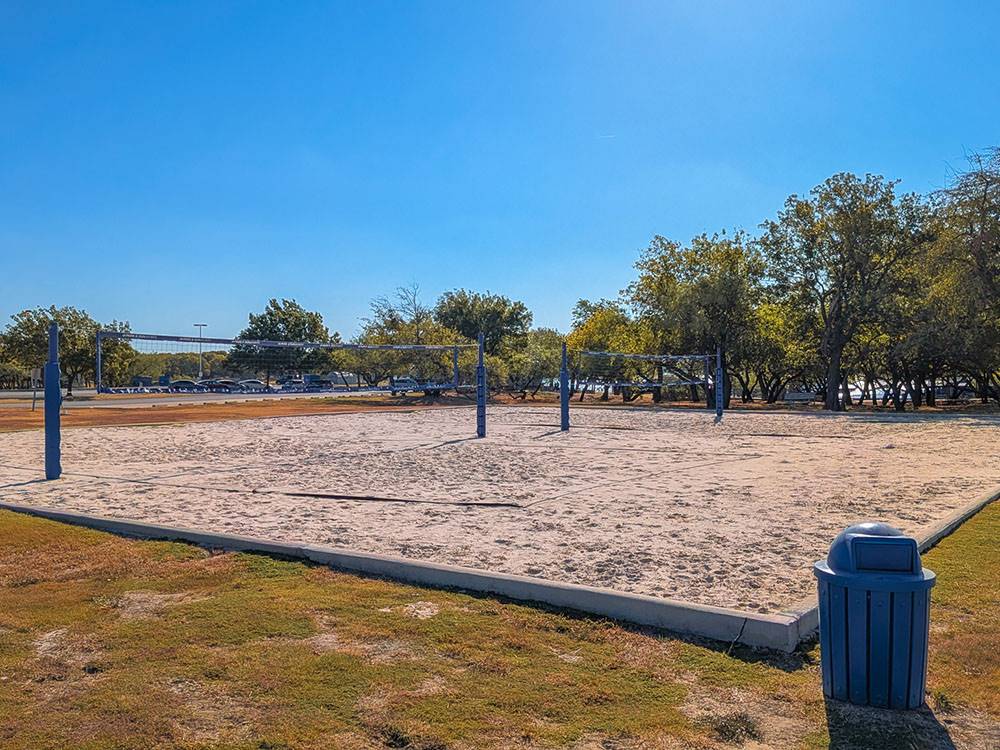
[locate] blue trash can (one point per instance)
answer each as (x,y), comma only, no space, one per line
(874,618)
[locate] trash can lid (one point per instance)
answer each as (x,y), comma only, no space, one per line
(874,548)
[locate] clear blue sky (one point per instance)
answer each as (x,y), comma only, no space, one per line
(179,162)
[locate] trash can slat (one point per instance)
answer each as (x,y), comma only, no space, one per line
(838,641)
(918,651)
(878,650)
(902,611)
(857,644)
(824,632)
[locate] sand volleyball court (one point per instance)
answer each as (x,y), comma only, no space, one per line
(664,502)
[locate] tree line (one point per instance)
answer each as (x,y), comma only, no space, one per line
(853,292)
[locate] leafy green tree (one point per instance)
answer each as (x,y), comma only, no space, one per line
(967,260)
(605,326)
(701,297)
(26,342)
(283,320)
(536,361)
(501,320)
(11,374)
(600,326)
(840,251)
(405,319)
(777,350)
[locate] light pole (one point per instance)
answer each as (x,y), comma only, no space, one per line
(200,326)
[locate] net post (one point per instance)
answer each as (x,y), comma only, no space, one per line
(564,392)
(53,405)
(97,368)
(481,391)
(454,366)
(708,370)
(718,382)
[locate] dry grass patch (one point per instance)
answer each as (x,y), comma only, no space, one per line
(141,644)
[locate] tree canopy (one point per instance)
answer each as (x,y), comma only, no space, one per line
(501,320)
(853,292)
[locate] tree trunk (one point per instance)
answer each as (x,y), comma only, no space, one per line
(833,380)
(744,388)
(899,397)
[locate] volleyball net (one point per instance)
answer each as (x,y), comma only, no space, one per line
(151,363)
(665,377)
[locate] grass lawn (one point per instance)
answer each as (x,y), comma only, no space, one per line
(112,643)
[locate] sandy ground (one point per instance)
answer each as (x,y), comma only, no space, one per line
(663,502)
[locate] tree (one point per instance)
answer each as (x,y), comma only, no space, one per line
(778,349)
(27,342)
(599,326)
(967,256)
(839,252)
(701,297)
(605,326)
(539,358)
(11,375)
(400,320)
(501,320)
(284,320)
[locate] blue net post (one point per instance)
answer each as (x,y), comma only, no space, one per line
(564,392)
(719,382)
(708,382)
(481,391)
(97,370)
(53,404)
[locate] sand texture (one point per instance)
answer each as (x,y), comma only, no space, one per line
(662,502)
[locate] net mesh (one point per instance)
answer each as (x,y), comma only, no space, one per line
(667,377)
(146,363)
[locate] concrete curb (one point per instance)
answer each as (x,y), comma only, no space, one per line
(806,612)
(781,631)
(950,524)
(778,631)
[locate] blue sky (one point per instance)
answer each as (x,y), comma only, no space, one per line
(179,162)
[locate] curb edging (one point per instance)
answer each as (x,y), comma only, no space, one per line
(781,631)
(773,631)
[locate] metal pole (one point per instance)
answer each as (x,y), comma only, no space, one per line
(719,382)
(97,372)
(708,370)
(564,392)
(53,405)
(454,364)
(481,391)
(200,327)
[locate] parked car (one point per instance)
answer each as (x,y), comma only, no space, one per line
(403,385)
(186,386)
(220,385)
(253,386)
(318,384)
(293,385)
(344,379)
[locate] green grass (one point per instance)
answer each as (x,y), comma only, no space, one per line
(111,643)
